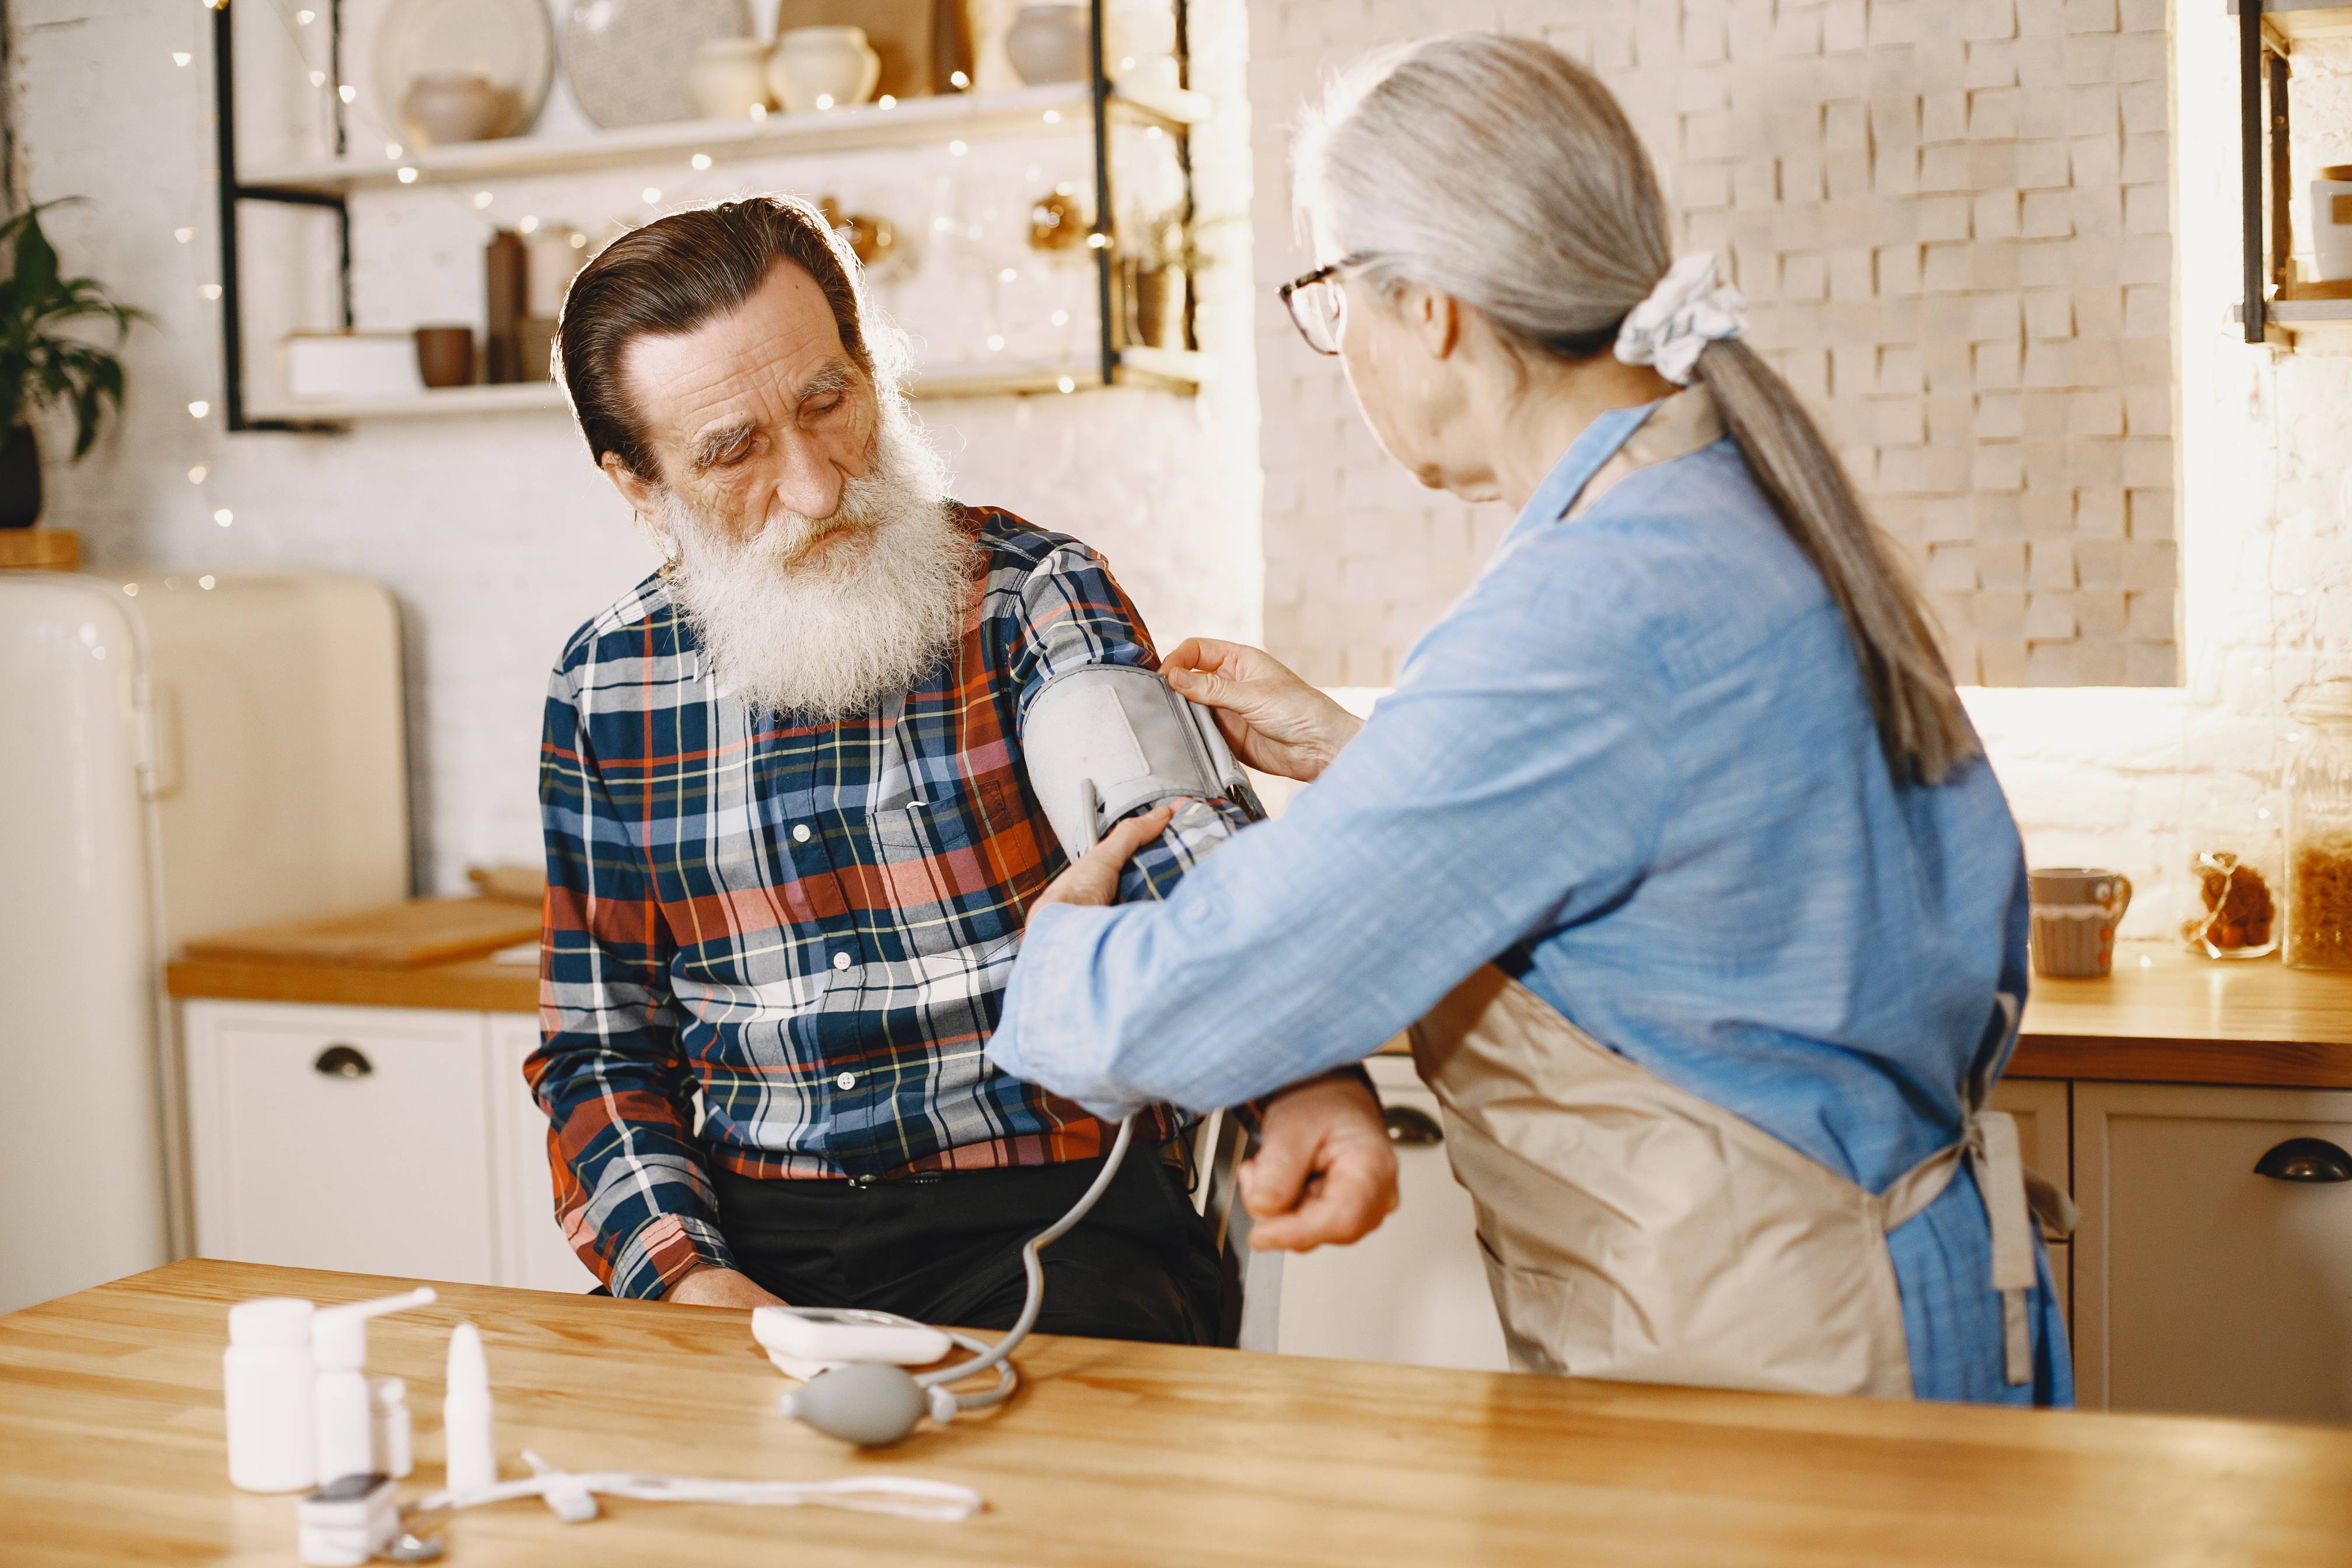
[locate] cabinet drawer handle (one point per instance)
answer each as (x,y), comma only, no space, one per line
(2305,1159)
(342,1061)
(1411,1128)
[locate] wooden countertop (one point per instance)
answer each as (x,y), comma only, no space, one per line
(110,1451)
(2163,1017)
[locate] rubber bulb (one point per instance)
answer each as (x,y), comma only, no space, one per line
(866,1403)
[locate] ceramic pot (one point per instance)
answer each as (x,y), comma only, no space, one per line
(445,356)
(451,105)
(1049,44)
(2331,223)
(20,479)
(1155,306)
(728,78)
(823,67)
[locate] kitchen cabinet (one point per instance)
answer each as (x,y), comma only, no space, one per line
(378,1140)
(2202,1285)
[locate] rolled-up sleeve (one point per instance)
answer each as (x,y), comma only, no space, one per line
(1502,789)
(632,1191)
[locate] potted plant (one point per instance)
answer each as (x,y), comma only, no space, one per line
(41,366)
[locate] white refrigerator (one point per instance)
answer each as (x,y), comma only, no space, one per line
(180,754)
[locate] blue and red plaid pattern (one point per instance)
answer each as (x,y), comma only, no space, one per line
(810,926)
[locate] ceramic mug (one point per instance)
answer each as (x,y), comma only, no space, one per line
(2075,912)
(445,356)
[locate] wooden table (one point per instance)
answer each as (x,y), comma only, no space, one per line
(110,1452)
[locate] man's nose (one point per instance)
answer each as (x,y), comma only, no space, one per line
(807,481)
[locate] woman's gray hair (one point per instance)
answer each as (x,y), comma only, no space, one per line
(1499,171)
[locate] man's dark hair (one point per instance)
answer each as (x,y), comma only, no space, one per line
(672,275)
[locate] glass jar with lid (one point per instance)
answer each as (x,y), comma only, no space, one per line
(2320,829)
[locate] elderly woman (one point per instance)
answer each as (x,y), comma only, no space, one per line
(1673,846)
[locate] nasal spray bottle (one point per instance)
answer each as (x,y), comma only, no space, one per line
(469,1455)
(346,1424)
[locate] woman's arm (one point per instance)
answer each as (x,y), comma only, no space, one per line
(1516,779)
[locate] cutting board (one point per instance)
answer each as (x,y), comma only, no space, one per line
(412,935)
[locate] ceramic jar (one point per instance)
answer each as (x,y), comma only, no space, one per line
(823,67)
(1049,44)
(728,78)
(443,107)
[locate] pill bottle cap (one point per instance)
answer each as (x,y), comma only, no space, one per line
(273,1322)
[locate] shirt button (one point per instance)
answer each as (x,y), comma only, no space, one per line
(841,960)
(846,1080)
(800,833)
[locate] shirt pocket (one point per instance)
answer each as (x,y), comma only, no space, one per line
(935,885)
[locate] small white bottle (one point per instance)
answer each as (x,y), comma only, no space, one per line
(346,1419)
(469,1455)
(266,1383)
(395,1432)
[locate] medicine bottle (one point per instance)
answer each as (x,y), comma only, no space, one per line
(267,1379)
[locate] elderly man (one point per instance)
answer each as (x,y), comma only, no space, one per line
(791,844)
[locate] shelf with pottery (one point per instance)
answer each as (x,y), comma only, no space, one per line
(859,128)
(2300,21)
(1169,368)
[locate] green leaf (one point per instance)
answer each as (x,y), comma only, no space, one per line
(36,260)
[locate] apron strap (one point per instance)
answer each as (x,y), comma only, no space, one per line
(2014,1197)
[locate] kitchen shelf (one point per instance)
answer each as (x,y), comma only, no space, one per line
(2302,315)
(1170,368)
(2297,21)
(910,122)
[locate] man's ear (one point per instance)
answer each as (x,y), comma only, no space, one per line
(635,490)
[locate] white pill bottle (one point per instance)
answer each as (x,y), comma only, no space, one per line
(267,1382)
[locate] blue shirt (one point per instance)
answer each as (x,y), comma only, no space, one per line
(1636,765)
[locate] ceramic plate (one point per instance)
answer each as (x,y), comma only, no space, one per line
(509,41)
(626,59)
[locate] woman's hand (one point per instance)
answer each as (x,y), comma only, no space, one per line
(1275,722)
(1093,879)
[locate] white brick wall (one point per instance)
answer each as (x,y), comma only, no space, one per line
(496,534)
(1951,219)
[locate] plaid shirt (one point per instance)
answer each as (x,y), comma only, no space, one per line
(811,924)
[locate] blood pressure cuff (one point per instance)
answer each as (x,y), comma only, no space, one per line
(1105,741)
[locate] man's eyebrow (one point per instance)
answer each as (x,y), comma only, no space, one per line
(837,376)
(715,445)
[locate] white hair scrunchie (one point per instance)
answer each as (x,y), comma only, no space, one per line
(1688,309)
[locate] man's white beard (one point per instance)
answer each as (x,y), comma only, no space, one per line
(831,637)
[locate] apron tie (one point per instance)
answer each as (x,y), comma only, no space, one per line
(2014,1197)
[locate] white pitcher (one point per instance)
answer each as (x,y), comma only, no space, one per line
(823,67)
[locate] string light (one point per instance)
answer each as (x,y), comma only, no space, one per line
(824,101)
(131,588)
(1097,241)
(996,342)
(481,200)
(759,111)
(212,291)
(318,78)
(392,151)
(348,93)
(206,583)
(196,475)
(407,175)
(183,236)
(579,240)
(198,409)
(652,195)
(181,57)
(701,160)
(528,225)
(958,80)
(1052,117)
(1061,318)
(958,149)
(886,102)
(1010,275)
(304,18)
(224,516)
(1064,384)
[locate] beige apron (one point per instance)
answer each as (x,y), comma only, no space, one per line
(1635,1231)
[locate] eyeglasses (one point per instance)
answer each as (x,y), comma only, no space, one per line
(1318,306)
